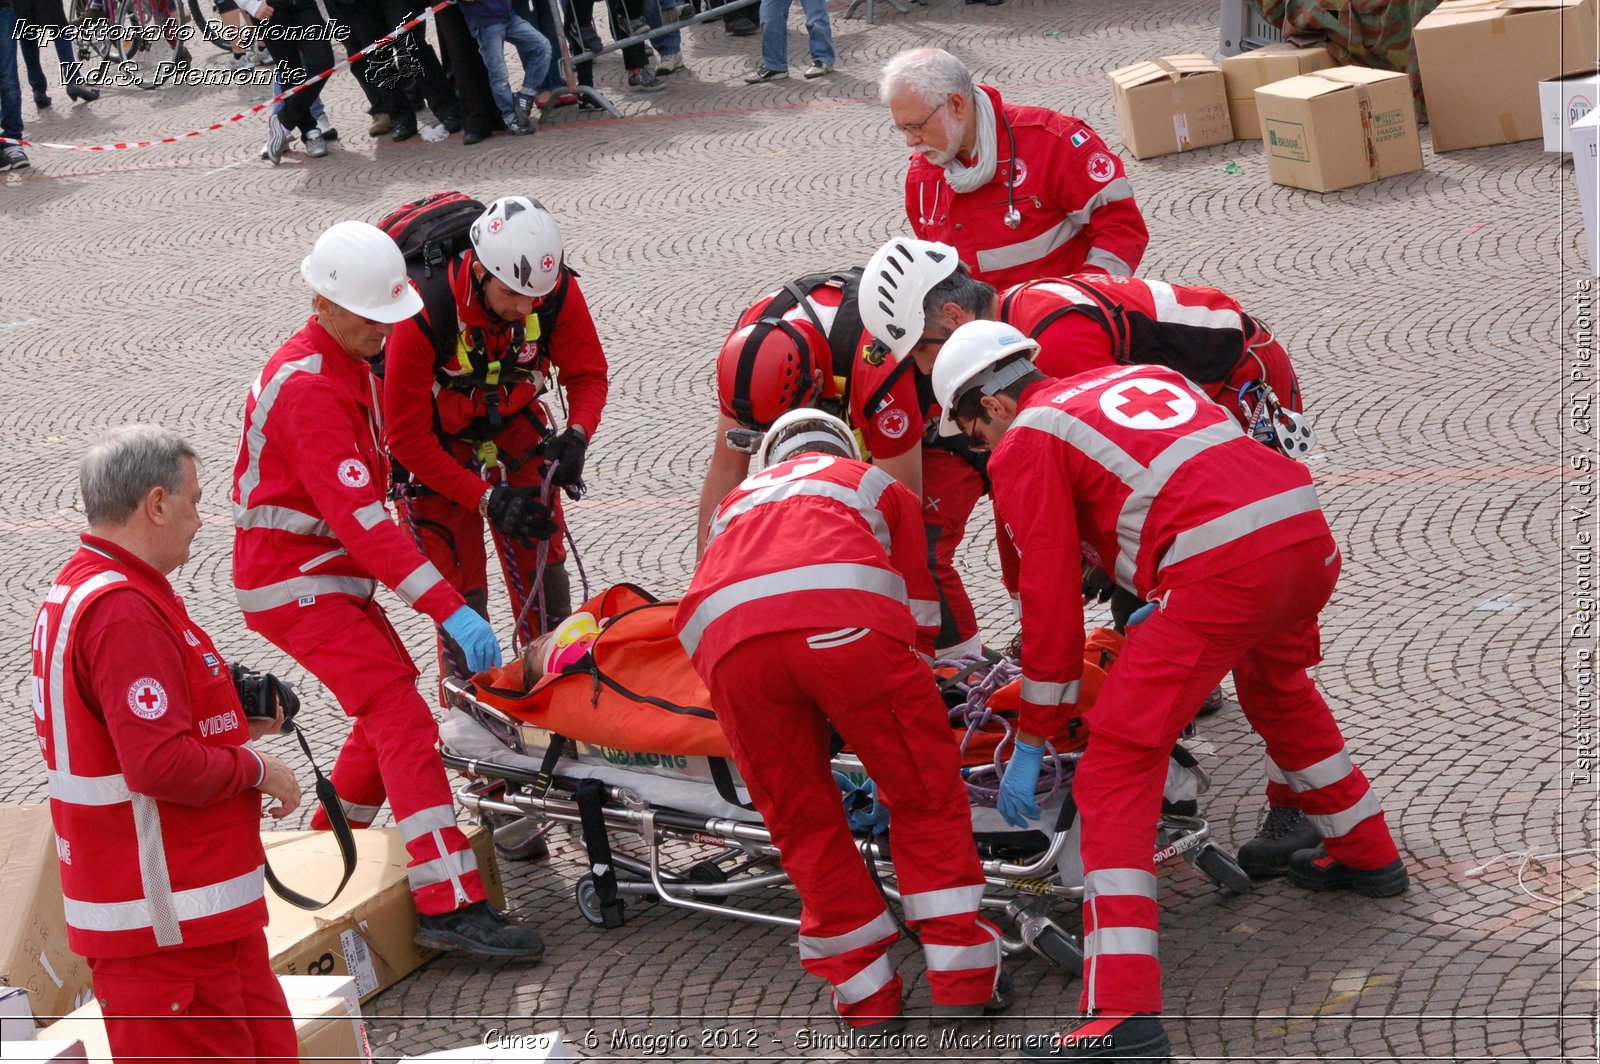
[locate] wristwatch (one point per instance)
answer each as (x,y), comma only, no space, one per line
(483,503)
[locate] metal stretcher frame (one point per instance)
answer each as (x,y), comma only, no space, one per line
(504,796)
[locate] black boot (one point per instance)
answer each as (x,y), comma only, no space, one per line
(1284,832)
(479,929)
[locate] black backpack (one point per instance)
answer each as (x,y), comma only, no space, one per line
(432,231)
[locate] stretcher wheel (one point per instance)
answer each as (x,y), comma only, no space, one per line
(707,872)
(588,896)
(1220,867)
(1060,949)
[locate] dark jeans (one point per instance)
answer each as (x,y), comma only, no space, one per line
(465,66)
(400,97)
(10,87)
(47,13)
(621,12)
(365,24)
(309,57)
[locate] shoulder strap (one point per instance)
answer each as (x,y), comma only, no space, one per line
(328,798)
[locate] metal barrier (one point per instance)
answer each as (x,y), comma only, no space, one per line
(569,62)
(1243,29)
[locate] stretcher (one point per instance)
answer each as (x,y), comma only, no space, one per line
(700,845)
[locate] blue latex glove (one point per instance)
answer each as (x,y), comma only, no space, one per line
(1016,802)
(872,817)
(1141,614)
(476,638)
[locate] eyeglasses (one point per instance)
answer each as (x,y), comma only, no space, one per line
(914,129)
(934,342)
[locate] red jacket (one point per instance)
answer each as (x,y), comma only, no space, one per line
(422,400)
(894,424)
(152,790)
(309,488)
(1134,470)
(814,542)
(1092,320)
(1077,207)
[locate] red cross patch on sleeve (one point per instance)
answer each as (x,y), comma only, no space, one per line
(147,698)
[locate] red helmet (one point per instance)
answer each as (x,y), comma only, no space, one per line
(768,368)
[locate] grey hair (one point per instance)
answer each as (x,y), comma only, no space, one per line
(931,73)
(960,288)
(124,465)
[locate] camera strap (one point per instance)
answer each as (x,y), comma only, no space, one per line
(328,798)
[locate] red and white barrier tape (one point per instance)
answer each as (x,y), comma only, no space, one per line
(343,64)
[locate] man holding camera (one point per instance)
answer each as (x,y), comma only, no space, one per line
(155,790)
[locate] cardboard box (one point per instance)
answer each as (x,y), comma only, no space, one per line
(16,1018)
(33,937)
(505,1045)
(324,1027)
(367,932)
(1245,73)
(1585,139)
(1482,61)
(43,1051)
(1562,101)
(1172,104)
(1340,127)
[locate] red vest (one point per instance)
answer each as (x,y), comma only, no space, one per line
(138,874)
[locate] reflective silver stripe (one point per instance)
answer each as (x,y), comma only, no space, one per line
(281,519)
(838,638)
(1119,882)
(863,500)
(433,818)
(969,647)
(255,436)
(925,612)
(1274,773)
(951,901)
(1240,523)
(961,958)
(1144,482)
(1324,773)
(1333,825)
(1035,248)
(422,580)
(836,576)
(366,814)
(192,904)
(868,981)
(1047,693)
(257,599)
(153,871)
(58,658)
(877,929)
(1140,941)
(325,556)
(441,869)
(1112,264)
(371,515)
(88,790)
(1168,309)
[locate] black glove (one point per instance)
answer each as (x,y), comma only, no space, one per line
(1097,586)
(566,451)
(518,513)
(263,694)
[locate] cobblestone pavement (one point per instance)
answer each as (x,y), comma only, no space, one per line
(1425,313)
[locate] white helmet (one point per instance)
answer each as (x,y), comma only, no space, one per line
(796,431)
(897,279)
(360,268)
(967,361)
(518,242)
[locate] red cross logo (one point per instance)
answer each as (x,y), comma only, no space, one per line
(1101,167)
(547,263)
(1146,403)
(147,698)
(496,225)
(1161,404)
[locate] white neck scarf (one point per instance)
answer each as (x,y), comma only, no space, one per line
(986,154)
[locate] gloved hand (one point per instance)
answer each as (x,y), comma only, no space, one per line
(1123,604)
(476,638)
(1139,615)
(1016,802)
(869,815)
(518,513)
(567,451)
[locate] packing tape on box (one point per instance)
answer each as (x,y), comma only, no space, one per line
(341,65)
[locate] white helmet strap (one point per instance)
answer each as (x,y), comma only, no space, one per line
(993,379)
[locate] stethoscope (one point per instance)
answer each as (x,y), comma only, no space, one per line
(1013,217)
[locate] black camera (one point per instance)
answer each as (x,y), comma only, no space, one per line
(262,694)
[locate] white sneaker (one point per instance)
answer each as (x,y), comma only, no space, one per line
(277,141)
(818,68)
(242,61)
(261,57)
(316,146)
(669,64)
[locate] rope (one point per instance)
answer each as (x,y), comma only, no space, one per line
(976,716)
(455,661)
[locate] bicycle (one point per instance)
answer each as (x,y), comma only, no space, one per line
(118,31)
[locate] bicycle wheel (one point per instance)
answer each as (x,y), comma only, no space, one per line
(91,23)
(155,32)
(210,28)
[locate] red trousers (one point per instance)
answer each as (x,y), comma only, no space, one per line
(775,696)
(205,1003)
(951,489)
(1260,622)
(391,749)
